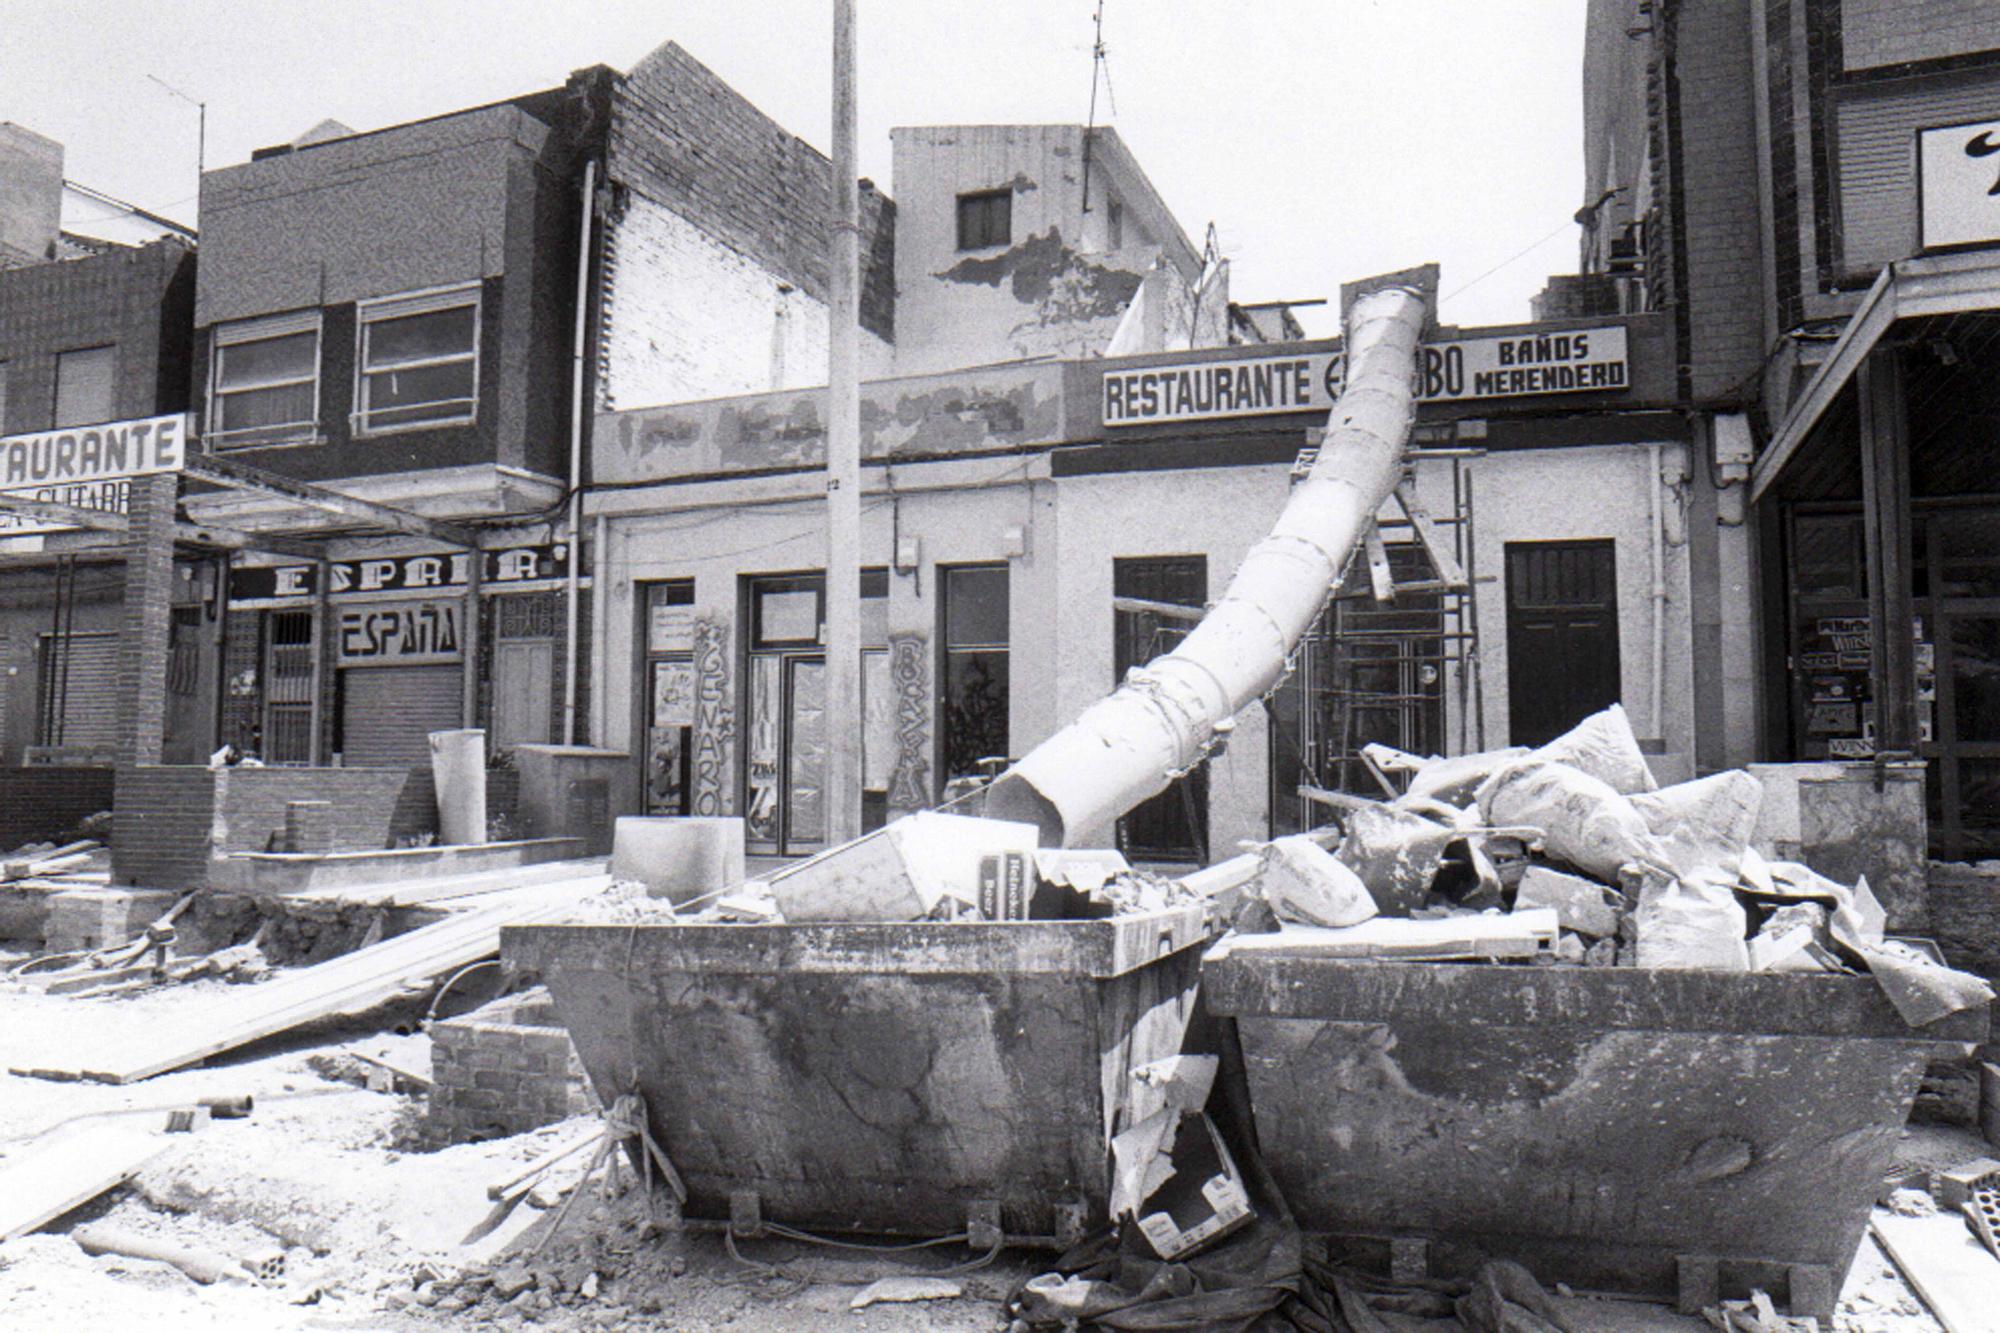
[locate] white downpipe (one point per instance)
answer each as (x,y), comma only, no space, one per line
(1163,719)
(1657,539)
(576,455)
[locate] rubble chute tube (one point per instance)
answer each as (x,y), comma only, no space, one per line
(1129,745)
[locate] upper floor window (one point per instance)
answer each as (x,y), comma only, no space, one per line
(419,361)
(985,218)
(83,386)
(265,383)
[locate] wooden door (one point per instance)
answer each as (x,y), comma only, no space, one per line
(1562,636)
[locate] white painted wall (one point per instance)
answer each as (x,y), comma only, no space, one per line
(689,317)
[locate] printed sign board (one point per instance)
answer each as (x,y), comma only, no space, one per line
(1590,360)
(415,632)
(90,467)
(398,573)
(1958,184)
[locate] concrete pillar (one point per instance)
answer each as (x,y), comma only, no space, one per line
(147,619)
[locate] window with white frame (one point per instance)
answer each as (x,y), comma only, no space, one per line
(264,385)
(419,361)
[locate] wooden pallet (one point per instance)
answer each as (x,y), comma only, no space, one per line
(344,985)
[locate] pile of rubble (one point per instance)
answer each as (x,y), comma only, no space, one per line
(1572,854)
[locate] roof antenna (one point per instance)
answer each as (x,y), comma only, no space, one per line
(1098,67)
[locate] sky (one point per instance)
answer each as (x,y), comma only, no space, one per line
(1326,140)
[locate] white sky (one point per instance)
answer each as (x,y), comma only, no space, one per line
(1326,139)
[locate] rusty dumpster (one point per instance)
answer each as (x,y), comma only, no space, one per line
(1667,1134)
(895,1079)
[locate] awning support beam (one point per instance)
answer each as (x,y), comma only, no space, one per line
(243,476)
(103,520)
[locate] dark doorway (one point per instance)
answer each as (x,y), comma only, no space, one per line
(1562,636)
(1172,826)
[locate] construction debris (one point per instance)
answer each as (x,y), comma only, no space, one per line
(44,1180)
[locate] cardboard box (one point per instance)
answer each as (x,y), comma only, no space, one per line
(901,871)
(1202,1200)
(1003,886)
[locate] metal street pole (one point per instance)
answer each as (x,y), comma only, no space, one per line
(843,457)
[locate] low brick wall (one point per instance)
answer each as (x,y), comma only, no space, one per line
(1965,914)
(40,801)
(503,1069)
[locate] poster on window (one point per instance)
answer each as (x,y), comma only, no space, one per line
(673,694)
(670,629)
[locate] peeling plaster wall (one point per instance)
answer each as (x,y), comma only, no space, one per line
(1057,289)
(686,316)
(1002,408)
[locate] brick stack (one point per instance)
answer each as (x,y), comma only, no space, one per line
(504,1069)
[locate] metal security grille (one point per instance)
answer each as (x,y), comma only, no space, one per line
(288,687)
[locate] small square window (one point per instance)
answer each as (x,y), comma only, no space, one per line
(985,219)
(419,362)
(83,385)
(264,387)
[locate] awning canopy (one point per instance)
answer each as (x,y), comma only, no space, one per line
(1907,289)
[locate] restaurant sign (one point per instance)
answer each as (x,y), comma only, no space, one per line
(398,573)
(90,467)
(414,632)
(1958,184)
(1504,366)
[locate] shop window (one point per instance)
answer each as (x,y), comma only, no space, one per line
(264,385)
(83,386)
(184,652)
(973,700)
(1172,826)
(985,219)
(418,361)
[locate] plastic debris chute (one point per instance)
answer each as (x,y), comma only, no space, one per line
(1166,715)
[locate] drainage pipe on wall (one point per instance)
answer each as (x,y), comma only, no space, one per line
(1167,715)
(576,451)
(1658,541)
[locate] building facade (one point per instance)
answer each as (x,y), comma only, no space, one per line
(1032,530)
(1806,188)
(90,333)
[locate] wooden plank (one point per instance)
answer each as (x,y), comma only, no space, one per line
(348,984)
(1442,559)
(44,1181)
(444,888)
(1953,1273)
(1512,935)
(1380,579)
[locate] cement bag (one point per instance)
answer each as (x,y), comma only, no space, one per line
(1603,746)
(1394,854)
(1683,924)
(1583,821)
(1705,826)
(1302,882)
(1454,781)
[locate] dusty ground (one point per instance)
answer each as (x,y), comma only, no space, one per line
(371,1228)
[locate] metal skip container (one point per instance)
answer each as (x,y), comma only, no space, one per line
(902,1079)
(1671,1134)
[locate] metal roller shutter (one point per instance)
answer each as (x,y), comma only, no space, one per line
(388,713)
(87,702)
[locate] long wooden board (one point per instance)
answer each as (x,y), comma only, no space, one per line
(44,1181)
(444,888)
(1487,935)
(1956,1276)
(348,984)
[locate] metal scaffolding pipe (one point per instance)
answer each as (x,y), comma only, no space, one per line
(1165,717)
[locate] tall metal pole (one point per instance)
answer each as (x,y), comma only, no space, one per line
(843,457)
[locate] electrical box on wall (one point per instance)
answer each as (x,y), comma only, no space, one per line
(1013,541)
(909,554)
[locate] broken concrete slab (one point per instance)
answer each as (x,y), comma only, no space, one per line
(1580,904)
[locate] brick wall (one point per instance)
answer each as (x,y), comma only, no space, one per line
(1964,905)
(36,804)
(160,836)
(1718,188)
(503,1069)
(134,300)
(1893,32)
(684,138)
